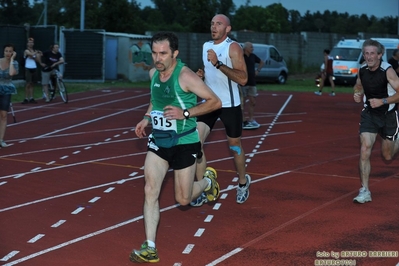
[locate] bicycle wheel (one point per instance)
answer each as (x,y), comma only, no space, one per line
(63,91)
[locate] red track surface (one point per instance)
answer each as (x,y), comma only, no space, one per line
(85,156)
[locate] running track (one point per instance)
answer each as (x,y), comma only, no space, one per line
(71,188)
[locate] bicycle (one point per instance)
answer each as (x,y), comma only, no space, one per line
(57,84)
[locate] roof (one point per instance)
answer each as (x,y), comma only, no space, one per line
(128,35)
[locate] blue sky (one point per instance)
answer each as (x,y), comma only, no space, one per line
(378,8)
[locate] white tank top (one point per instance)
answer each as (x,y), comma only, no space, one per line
(30,63)
(222,86)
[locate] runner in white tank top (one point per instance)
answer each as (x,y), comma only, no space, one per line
(224,69)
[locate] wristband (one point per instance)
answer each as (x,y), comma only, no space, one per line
(385,101)
(147,117)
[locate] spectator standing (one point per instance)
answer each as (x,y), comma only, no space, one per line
(249,91)
(327,73)
(31,56)
(8,69)
(50,61)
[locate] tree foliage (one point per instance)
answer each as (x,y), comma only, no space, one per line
(187,16)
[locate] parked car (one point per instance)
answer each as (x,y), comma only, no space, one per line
(275,68)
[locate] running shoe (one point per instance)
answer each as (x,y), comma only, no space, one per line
(332,94)
(25,101)
(364,196)
(251,125)
(32,100)
(145,254)
(212,193)
(3,144)
(199,201)
(318,93)
(243,192)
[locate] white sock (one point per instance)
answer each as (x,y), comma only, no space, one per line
(151,244)
(209,183)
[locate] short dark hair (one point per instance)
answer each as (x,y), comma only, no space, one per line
(327,51)
(395,52)
(166,36)
(9,45)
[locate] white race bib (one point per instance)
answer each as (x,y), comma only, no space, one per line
(161,123)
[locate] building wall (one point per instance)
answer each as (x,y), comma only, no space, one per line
(302,51)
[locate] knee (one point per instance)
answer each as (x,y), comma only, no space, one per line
(182,201)
(387,155)
(235,149)
(3,116)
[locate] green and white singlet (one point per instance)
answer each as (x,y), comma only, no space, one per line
(170,93)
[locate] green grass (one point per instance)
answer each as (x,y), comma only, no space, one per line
(294,84)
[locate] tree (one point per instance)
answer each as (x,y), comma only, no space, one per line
(11,12)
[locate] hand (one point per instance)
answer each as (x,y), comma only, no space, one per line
(14,54)
(173,112)
(357,96)
(374,103)
(200,73)
(212,57)
(140,128)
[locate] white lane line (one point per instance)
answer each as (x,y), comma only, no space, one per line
(18,176)
(188,249)
(63,195)
(121,181)
(9,255)
(64,157)
(35,169)
(57,224)
(133,174)
(39,253)
(217,206)
(71,111)
(199,232)
(108,190)
(208,219)
(90,121)
(226,256)
(76,152)
(78,210)
(80,163)
(117,136)
(50,163)
(94,199)
(3,183)
(36,238)
(223,196)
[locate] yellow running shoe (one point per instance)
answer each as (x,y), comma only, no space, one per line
(145,254)
(213,192)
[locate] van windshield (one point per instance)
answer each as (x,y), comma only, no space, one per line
(346,54)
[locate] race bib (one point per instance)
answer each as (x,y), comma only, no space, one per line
(159,122)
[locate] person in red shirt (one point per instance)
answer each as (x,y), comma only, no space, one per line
(327,73)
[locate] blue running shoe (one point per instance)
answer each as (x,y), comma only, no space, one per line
(243,192)
(199,201)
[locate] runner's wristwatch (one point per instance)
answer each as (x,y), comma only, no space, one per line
(218,64)
(186,113)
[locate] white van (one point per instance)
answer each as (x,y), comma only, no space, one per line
(275,68)
(348,58)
